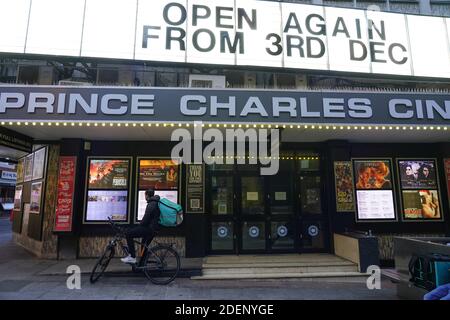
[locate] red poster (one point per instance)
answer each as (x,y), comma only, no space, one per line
(66,185)
(447,174)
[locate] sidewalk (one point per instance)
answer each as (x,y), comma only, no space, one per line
(189,267)
(22,276)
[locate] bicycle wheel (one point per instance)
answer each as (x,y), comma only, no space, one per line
(161,265)
(102,263)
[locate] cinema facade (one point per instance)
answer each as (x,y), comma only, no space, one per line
(350,106)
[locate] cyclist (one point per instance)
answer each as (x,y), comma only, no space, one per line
(147,228)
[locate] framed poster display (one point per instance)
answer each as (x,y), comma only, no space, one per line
(36,197)
(161,174)
(39,158)
(195,188)
(374,187)
(420,193)
(107,189)
(65,192)
(28,168)
(18,198)
(20,168)
(343,177)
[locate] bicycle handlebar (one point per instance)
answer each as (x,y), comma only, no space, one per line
(115,226)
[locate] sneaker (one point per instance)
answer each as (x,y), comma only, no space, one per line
(128,259)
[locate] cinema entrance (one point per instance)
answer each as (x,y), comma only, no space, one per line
(283,213)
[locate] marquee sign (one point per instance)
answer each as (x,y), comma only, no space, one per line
(58,103)
(229,32)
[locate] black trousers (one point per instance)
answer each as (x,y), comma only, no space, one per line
(145,233)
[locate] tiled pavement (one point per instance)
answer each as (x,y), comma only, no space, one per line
(24,277)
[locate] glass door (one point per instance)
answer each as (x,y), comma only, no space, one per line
(222,229)
(252,222)
(281,215)
(313,225)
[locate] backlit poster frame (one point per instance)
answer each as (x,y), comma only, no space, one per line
(139,188)
(391,189)
(127,189)
(401,189)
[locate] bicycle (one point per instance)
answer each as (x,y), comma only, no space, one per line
(160,263)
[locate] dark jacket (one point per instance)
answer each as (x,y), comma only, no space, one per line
(152,213)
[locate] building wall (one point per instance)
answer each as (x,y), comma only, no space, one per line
(46,245)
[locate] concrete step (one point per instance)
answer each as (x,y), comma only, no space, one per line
(277,266)
(280,275)
(283,264)
(274,257)
(289,270)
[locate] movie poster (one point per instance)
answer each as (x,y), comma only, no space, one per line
(39,164)
(343,178)
(104,204)
(108,173)
(158,174)
(18,198)
(28,168)
(20,170)
(35,201)
(65,193)
(373,174)
(417,174)
(421,204)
